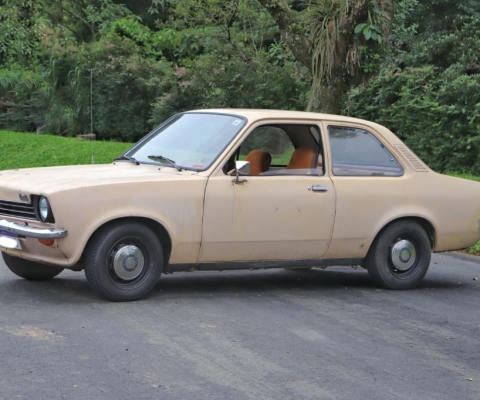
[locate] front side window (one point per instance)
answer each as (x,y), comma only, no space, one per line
(271,139)
(281,149)
(357,152)
(192,141)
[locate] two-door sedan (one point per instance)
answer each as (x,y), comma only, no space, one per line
(238,189)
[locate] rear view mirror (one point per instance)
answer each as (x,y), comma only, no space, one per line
(243,168)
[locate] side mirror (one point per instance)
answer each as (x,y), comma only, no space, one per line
(243,168)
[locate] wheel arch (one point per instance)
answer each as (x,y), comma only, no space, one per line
(423,222)
(159,230)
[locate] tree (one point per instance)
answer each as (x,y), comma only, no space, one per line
(83,19)
(227,54)
(332,38)
(19,35)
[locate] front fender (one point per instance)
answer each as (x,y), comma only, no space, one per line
(176,205)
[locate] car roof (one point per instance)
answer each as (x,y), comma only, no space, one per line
(260,114)
(283,114)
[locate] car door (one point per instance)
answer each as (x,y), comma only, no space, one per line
(268,217)
(372,187)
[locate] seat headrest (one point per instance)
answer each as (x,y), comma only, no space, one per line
(259,161)
(303,157)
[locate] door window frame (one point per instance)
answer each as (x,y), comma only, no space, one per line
(219,169)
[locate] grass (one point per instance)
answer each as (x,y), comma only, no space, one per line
(465,176)
(24,150)
(475,249)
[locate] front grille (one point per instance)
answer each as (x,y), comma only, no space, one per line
(16,209)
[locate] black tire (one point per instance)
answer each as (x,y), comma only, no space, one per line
(30,270)
(400,256)
(123,261)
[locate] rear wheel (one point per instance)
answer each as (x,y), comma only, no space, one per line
(123,261)
(400,256)
(30,270)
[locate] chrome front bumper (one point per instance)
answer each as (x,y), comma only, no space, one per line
(30,231)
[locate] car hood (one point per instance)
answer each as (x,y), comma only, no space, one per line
(44,181)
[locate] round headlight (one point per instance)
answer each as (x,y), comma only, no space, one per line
(44,208)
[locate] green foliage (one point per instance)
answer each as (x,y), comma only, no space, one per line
(221,80)
(188,54)
(22,92)
(227,55)
(26,150)
(152,58)
(83,20)
(57,96)
(19,33)
(433,111)
(133,30)
(429,91)
(124,87)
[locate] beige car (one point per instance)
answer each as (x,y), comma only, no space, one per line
(236,189)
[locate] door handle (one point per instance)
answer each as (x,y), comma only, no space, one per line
(317,188)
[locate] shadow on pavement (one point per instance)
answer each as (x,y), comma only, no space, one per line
(65,288)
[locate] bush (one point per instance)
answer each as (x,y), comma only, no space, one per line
(228,80)
(125,86)
(56,96)
(436,113)
(429,93)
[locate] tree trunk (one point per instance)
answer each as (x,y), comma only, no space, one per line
(335,66)
(329,90)
(327,97)
(39,129)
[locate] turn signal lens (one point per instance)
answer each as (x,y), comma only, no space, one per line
(47,242)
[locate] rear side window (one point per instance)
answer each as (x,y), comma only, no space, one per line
(357,152)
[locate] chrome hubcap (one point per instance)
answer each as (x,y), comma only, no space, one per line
(128,262)
(403,255)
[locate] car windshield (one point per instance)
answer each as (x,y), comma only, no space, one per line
(188,141)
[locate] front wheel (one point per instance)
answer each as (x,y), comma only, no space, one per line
(400,256)
(123,261)
(30,270)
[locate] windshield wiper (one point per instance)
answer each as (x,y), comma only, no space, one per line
(163,159)
(125,158)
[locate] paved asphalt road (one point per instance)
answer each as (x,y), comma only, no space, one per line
(272,334)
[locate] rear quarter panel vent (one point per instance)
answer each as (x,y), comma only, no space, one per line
(411,158)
